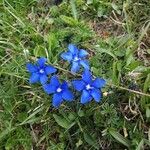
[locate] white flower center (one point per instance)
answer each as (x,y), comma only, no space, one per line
(41,71)
(88,87)
(59,90)
(76,59)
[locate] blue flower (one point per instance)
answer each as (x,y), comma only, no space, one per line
(60,91)
(90,88)
(40,71)
(76,57)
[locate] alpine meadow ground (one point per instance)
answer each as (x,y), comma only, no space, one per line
(116,36)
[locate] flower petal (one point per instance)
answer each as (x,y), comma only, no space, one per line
(54,81)
(34,78)
(64,85)
(96,94)
(41,61)
(67,56)
(50,70)
(43,79)
(31,68)
(99,83)
(85,97)
(85,64)
(49,89)
(75,67)
(82,53)
(57,99)
(67,95)
(78,84)
(73,49)
(87,76)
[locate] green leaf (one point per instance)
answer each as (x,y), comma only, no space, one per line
(147,112)
(5,132)
(39,51)
(89,1)
(116,8)
(140,69)
(101,12)
(69,20)
(140,145)
(129,56)
(72,116)
(147,142)
(146,83)
(53,44)
(107,51)
(62,121)
(52,41)
(74,10)
(90,140)
(80,142)
(32,118)
(81,113)
(119,137)
(50,21)
(22,116)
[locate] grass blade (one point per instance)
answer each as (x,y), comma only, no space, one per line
(74,10)
(119,138)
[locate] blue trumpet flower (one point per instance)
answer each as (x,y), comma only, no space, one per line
(91,89)
(60,91)
(40,71)
(76,57)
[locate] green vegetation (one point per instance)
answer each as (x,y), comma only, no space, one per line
(116,33)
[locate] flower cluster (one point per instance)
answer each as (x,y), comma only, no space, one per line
(89,87)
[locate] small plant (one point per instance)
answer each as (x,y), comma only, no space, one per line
(91,88)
